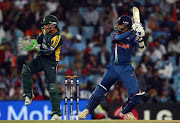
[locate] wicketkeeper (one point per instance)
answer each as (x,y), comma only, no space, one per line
(49,43)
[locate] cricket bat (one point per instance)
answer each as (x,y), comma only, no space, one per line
(136,15)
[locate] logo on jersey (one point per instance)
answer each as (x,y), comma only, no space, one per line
(44,46)
(122,45)
(131,74)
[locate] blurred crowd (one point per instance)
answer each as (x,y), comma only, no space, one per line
(85,26)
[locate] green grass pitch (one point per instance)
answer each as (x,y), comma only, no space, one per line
(90,121)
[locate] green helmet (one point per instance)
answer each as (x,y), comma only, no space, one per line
(50,19)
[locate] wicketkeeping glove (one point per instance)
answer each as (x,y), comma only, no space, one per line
(29,44)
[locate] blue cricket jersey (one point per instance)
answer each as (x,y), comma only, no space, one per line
(122,46)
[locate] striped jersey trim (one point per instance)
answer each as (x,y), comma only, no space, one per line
(56,40)
(116,55)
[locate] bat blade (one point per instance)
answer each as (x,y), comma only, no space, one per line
(136,15)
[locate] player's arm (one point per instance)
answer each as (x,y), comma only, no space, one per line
(40,38)
(139,43)
(56,42)
(120,37)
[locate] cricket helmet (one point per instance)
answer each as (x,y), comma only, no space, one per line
(50,19)
(125,21)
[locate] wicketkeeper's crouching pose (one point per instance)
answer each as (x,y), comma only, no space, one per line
(123,40)
(49,44)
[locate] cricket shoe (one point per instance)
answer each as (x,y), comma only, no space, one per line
(56,117)
(128,116)
(28,100)
(83,114)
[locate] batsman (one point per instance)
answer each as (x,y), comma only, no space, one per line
(124,38)
(48,43)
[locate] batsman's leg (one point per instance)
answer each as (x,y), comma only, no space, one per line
(131,84)
(94,101)
(132,102)
(100,91)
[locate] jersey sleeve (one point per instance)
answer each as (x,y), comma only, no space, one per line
(56,42)
(40,38)
(136,42)
(116,37)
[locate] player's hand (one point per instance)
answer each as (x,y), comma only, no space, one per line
(141,43)
(140,39)
(28,44)
(36,46)
(24,43)
(138,30)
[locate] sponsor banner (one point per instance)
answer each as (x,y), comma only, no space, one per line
(147,111)
(158,111)
(37,110)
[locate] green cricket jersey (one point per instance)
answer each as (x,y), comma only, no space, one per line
(50,45)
